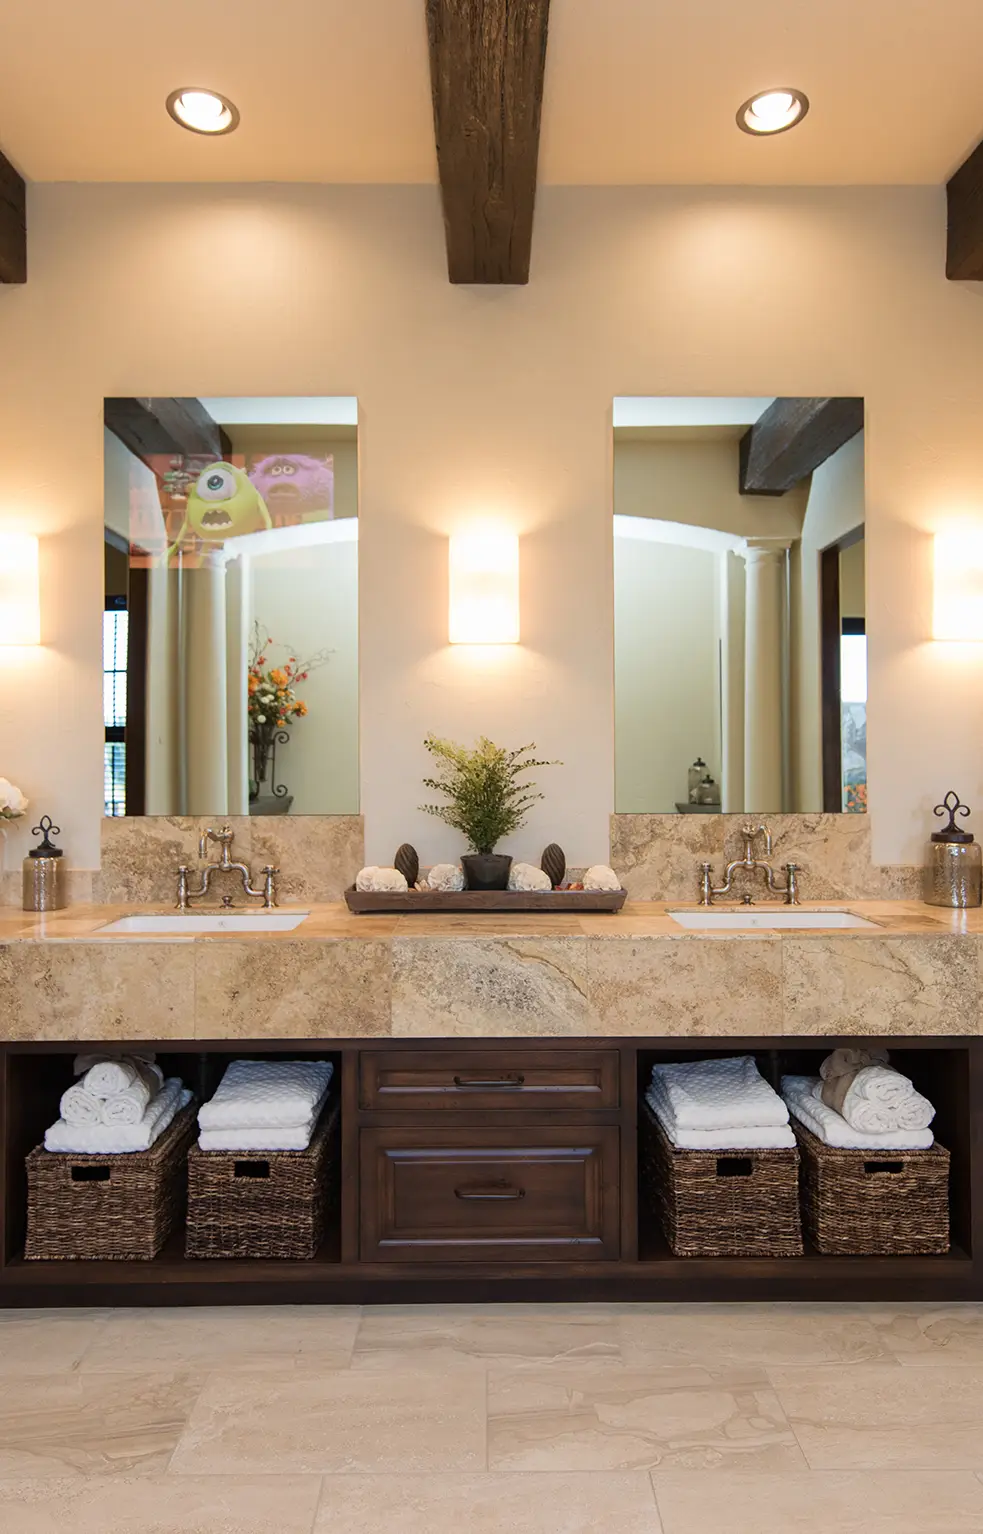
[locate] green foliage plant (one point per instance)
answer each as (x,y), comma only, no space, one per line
(488,792)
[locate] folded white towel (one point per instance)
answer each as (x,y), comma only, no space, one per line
(719,1094)
(298,1138)
(120,1139)
(278,1094)
(832,1128)
(105,1077)
(879,1100)
(764,1137)
(79,1107)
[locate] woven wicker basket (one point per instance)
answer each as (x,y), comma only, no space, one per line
(721,1203)
(119,1208)
(262,1203)
(858,1203)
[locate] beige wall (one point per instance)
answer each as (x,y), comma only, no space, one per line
(697,482)
(478,401)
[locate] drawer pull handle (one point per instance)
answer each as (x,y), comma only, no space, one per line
(490,1190)
(490,1084)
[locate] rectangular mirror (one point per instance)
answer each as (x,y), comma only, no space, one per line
(739,605)
(230,648)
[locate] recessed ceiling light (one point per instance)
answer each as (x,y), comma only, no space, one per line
(203,111)
(773,111)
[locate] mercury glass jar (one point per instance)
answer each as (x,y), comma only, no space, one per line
(45,886)
(954,866)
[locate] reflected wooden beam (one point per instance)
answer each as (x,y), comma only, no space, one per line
(150,427)
(487,61)
(792,438)
(964,229)
(13,224)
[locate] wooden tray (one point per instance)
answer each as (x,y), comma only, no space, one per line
(365,902)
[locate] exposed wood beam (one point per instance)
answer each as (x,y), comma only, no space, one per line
(964,234)
(487,61)
(149,427)
(13,224)
(793,437)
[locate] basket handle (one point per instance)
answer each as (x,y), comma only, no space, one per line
(734,1166)
(879,1168)
(91,1173)
(256,1169)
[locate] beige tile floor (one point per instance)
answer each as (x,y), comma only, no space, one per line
(522,1419)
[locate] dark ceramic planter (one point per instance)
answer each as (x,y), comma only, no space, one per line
(486,870)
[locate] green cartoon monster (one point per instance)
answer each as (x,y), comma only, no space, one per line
(222,503)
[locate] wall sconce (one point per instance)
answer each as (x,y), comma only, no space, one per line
(20,590)
(484,588)
(958,596)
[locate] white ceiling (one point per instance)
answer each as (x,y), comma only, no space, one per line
(636,90)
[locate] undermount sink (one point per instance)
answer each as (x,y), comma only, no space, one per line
(184,924)
(744,918)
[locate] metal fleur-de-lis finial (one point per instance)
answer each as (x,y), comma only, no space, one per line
(956,807)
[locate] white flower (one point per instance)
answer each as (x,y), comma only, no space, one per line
(12,801)
(260,718)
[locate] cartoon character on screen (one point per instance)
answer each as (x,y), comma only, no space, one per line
(296,484)
(222,503)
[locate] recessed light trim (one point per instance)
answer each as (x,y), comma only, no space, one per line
(772,111)
(203,111)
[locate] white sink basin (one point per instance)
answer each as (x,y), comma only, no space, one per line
(184,925)
(743,918)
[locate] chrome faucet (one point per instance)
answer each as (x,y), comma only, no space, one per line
(750,864)
(224,838)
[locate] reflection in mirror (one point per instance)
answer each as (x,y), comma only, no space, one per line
(739,606)
(230,648)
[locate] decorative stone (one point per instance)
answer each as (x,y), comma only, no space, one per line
(408,863)
(381,881)
(600,877)
(447,877)
(525,876)
(554,863)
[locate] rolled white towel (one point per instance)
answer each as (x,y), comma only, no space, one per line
(277,1094)
(108,1078)
(832,1128)
(719,1094)
(879,1100)
(127,1107)
(120,1139)
(79,1107)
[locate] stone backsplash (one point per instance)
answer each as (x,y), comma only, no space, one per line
(658,856)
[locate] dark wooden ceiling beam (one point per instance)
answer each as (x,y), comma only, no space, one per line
(964,230)
(149,427)
(793,437)
(487,62)
(13,224)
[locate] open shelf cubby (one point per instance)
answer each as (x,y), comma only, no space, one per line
(418,1116)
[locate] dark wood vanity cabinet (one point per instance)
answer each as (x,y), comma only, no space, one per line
(500,1155)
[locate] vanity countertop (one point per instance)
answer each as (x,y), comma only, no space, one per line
(917,971)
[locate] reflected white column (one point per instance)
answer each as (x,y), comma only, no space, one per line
(163,790)
(206,688)
(237,584)
(764,723)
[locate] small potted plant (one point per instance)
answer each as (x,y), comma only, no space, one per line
(488,801)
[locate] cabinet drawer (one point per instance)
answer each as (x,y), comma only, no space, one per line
(411,1081)
(538,1195)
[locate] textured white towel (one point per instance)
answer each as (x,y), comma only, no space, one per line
(277,1094)
(130,1106)
(765,1137)
(832,1128)
(79,1107)
(257,1139)
(880,1099)
(719,1094)
(120,1139)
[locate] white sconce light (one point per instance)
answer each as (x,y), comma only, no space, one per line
(484,588)
(20,590)
(958,597)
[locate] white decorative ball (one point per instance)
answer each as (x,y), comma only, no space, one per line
(445,876)
(379,881)
(525,876)
(600,877)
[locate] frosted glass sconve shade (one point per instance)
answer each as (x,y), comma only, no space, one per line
(20,590)
(958,598)
(484,589)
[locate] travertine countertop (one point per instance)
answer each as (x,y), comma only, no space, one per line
(916,972)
